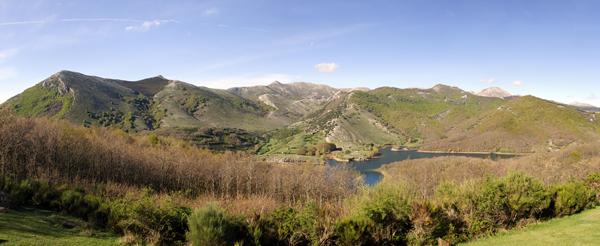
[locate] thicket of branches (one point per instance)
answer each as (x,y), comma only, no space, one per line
(61,152)
(574,162)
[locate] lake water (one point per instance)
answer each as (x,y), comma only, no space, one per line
(372,177)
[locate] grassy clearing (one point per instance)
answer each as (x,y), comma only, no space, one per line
(579,229)
(40,227)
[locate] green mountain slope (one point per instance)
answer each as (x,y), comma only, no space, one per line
(84,99)
(300,118)
(209,117)
(290,102)
(159,101)
(442,118)
(185,105)
(447,118)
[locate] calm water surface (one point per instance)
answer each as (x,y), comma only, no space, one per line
(372,177)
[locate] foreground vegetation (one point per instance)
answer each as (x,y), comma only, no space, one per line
(63,153)
(580,229)
(152,190)
(384,215)
(40,227)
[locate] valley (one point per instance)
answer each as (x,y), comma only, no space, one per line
(299,123)
(372,169)
(300,118)
(158,161)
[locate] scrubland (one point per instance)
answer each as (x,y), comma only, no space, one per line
(161,191)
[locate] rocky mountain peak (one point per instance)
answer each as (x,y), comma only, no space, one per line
(494,92)
(442,88)
(275,83)
(60,81)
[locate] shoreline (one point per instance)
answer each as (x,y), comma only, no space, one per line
(432,152)
(469,152)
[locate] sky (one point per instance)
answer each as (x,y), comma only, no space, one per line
(546,48)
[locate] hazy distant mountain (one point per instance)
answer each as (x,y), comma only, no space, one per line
(494,92)
(586,107)
(299,115)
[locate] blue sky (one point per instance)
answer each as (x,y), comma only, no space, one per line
(547,48)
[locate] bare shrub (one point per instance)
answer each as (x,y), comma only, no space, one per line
(61,152)
(423,175)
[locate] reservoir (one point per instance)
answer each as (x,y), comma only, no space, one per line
(368,167)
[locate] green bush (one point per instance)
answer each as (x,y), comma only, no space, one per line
(211,225)
(496,203)
(526,197)
(429,223)
(287,226)
(354,231)
(150,222)
(572,197)
(593,182)
(449,198)
(380,214)
(21,193)
(41,194)
(45,194)
(147,221)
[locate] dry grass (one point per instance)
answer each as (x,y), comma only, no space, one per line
(424,175)
(64,153)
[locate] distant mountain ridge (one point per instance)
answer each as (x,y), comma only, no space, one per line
(494,92)
(586,107)
(293,118)
(291,101)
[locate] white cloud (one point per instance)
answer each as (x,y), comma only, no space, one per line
(517,83)
(327,67)
(51,20)
(248,80)
(211,12)
(489,81)
(139,25)
(15,23)
(8,53)
(147,25)
(7,73)
(99,20)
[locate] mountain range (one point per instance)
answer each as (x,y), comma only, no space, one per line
(296,118)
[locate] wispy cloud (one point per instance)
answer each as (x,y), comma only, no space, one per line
(137,25)
(99,20)
(211,11)
(327,67)
(18,23)
(49,20)
(147,25)
(518,83)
